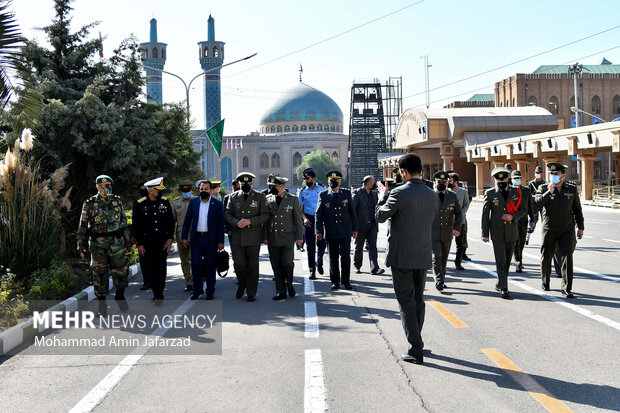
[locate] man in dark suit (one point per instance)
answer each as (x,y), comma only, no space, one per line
(205,219)
(411,209)
(446,225)
(502,208)
(335,215)
(246,213)
(365,202)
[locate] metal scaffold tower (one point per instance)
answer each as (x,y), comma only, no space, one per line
(375,110)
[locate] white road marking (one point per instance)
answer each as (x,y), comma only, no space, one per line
(579,269)
(308,286)
(589,236)
(315,398)
(610,240)
(587,313)
(312,320)
(109,382)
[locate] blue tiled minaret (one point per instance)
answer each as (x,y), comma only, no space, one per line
(153,55)
(211,54)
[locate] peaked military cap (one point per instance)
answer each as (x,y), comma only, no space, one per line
(333,175)
(508,166)
(157,183)
(102,179)
(500,174)
(538,169)
(442,175)
(556,167)
(245,177)
(185,184)
(516,174)
(277,180)
(216,183)
(309,172)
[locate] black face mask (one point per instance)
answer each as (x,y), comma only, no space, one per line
(398,179)
(333,183)
(246,188)
(204,195)
(374,187)
(441,187)
(502,185)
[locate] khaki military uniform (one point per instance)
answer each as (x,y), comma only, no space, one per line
(285,226)
(179,210)
(448,219)
(103,220)
(503,233)
(246,241)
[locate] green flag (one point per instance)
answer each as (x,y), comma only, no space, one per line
(215,134)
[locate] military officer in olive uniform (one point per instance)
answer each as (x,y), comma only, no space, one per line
(154,230)
(284,229)
(502,207)
(528,199)
(179,210)
(561,209)
(246,213)
(446,225)
(103,220)
(336,218)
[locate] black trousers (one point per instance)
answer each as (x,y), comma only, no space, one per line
(441,249)
(312,244)
(562,246)
(409,289)
(461,245)
(246,267)
(520,243)
(144,270)
(368,234)
(155,265)
(281,259)
(503,256)
(339,248)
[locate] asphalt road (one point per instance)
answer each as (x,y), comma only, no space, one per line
(339,351)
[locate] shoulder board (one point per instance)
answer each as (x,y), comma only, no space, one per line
(571,183)
(142,199)
(323,191)
(92,198)
(164,198)
(345,190)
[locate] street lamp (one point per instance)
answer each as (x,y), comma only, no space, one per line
(575,70)
(575,110)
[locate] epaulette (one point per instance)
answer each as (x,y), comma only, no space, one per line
(571,183)
(164,198)
(142,199)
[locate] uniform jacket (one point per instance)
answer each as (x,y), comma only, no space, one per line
(335,214)
(255,209)
(285,225)
(215,220)
(561,210)
(100,216)
(153,222)
(179,210)
(411,209)
(448,218)
(309,198)
(360,203)
(493,209)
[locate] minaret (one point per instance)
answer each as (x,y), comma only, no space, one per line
(153,55)
(211,54)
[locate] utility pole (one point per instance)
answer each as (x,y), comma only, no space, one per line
(427,89)
(575,70)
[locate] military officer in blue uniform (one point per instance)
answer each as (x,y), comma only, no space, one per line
(336,217)
(309,199)
(154,230)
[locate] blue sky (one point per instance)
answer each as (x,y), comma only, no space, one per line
(462,39)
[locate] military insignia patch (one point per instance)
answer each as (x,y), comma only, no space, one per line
(253,204)
(327,205)
(114,203)
(97,219)
(345,201)
(288,208)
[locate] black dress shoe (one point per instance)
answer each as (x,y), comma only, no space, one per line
(239,292)
(278,297)
(348,286)
(497,287)
(188,288)
(122,305)
(251,298)
(291,292)
(466,258)
(377,271)
(505,293)
(567,293)
(412,359)
(335,287)
(195,296)
(519,268)
(545,287)
(209,297)
(358,270)
(319,268)
(440,286)
(460,267)
(159,301)
(312,277)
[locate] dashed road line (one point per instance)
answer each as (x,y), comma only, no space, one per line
(529,384)
(308,286)
(611,240)
(312,320)
(447,314)
(315,397)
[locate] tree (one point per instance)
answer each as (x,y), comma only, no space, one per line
(94,117)
(10,43)
(321,162)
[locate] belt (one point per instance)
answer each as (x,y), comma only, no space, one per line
(202,233)
(117,233)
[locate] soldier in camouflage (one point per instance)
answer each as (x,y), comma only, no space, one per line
(104,222)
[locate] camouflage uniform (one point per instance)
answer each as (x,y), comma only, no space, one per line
(104,221)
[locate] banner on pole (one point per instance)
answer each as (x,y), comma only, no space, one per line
(215,134)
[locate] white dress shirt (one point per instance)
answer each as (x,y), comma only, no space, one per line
(203,215)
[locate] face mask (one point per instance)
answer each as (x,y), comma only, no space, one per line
(516,182)
(274,191)
(398,179)
(107,191)
(333,184)
(246,188)
(204,194)
(555,179)
(186,195)
(502,185)
(537,176)
(441,187)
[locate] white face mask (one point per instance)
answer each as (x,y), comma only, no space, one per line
(537,176)
(516,182)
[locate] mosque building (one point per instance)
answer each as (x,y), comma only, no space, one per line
(304,120)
